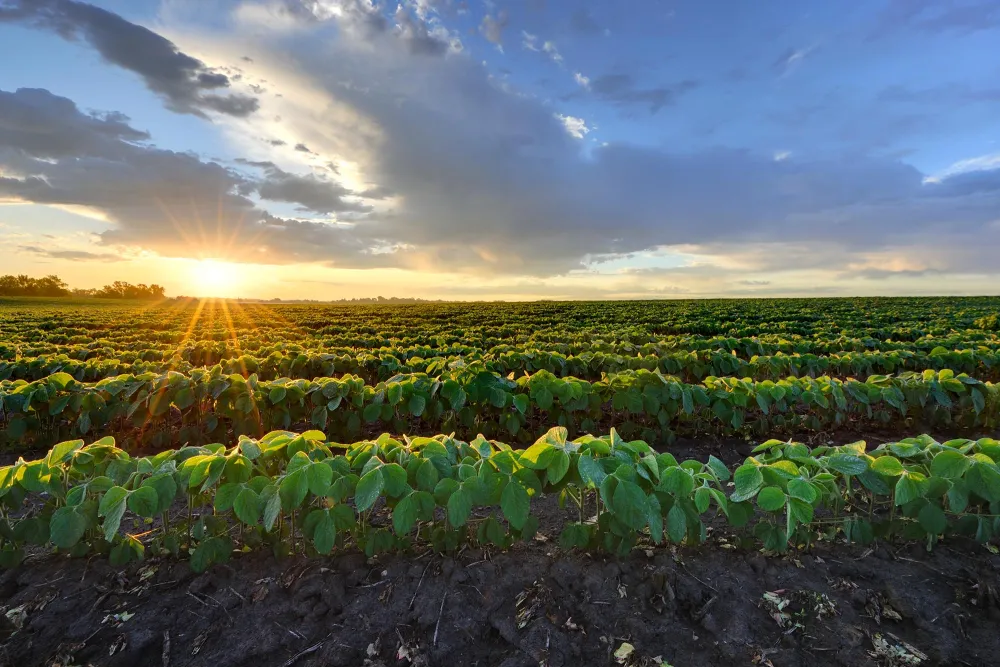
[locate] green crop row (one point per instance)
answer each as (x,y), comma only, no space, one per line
(206,406)
(295,493)
(690,366)
(214,330)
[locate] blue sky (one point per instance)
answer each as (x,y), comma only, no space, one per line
(500,149)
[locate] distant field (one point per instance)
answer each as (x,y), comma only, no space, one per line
(179,372)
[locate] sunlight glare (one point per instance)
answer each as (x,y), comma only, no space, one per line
(209,277)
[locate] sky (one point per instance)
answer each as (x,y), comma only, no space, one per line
(503,149)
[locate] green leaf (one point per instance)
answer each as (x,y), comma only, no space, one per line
(184,398)
(801,510)
(404,515)
(888,466)
(515,504)
(906,490)
(427,475)
(225,496)
(394,478)
(247,506)
(676,524)
(325,533)
(558,467)
(748,479)
(591,472)
(272,506)
(459,507)
(144,502)
(984,480)
(66,527)
(538,456)
(801,489)
(166,489)
(112,508)
(369,487)
(847,464)
(543,398)
(62,451)
(718,468)
(978,401)
(372,412)
(950,464)
(521,402)
(417,405)
(702,499)
(394,393)
(771,499)
(629,504)
(654,517)
(932,519)
(210,551)
(293,489)
(319,477)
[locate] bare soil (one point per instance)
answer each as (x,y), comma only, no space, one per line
(533,605)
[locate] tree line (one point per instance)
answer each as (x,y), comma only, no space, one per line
(22,285)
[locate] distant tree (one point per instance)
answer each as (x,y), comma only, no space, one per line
(123,290)
(22,285)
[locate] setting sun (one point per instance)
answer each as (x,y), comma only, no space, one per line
(209,277)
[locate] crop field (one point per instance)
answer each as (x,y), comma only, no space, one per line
(767,482)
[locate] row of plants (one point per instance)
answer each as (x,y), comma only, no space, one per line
(206,348)
(207,405)
(300,493)
(690,366)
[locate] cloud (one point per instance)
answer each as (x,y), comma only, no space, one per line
(312,193)
(172,203)
(492,27)
(581,80)
(791,58)
(621,90)
(186,84)
(930,16)
(49,127)
(550,49)
(987,162)
(72,255)
(417,36)
(576,127)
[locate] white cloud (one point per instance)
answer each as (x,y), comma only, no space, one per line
(581,80)
(576,127)
(549,48)
(980,163)
(781,155)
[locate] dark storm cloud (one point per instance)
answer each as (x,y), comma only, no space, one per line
(185,83)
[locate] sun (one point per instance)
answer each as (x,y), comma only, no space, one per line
(209,277)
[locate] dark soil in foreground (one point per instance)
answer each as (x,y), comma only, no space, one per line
(533,605)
